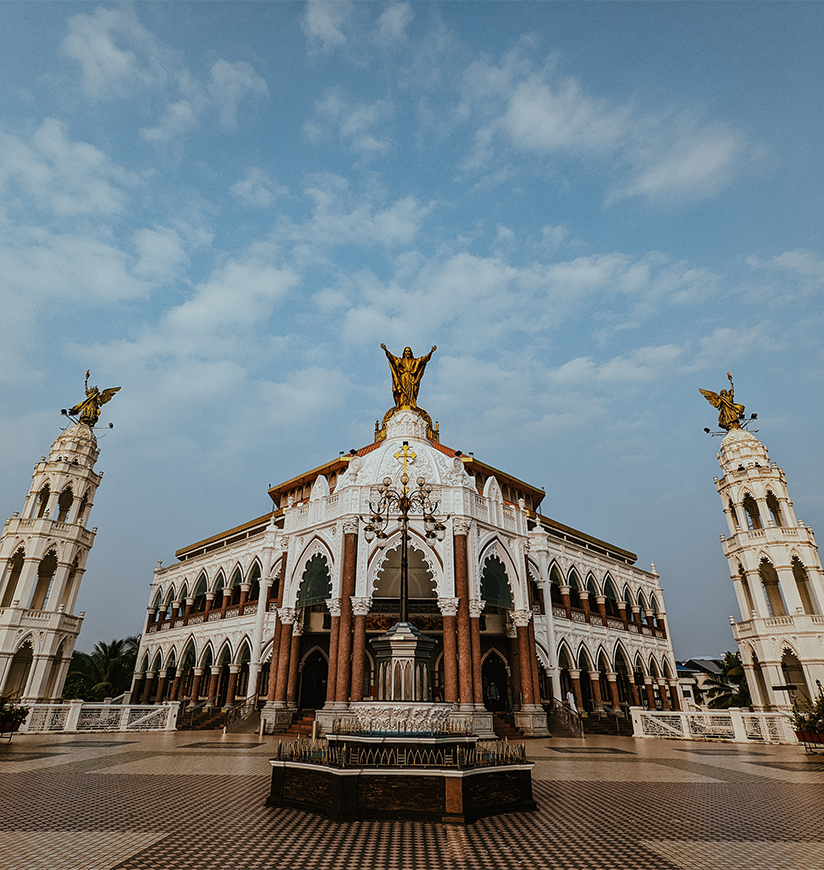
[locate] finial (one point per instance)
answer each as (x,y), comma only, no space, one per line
(89,408)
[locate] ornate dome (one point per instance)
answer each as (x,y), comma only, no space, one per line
(741,447)
(78,442)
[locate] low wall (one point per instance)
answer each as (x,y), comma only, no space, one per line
(734,726)
(80,717)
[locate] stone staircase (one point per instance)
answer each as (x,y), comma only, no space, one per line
(608,725)
(201,719)
(503,724)
(301,725)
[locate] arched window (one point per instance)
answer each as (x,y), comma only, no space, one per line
(772,589)
(774,508)
(495,587)
(253,578)
(316,584)
(81,511)
(751,512)
(13,571)
(237,579)
(574,589)
(805,590)
(43,500)
(555,581)
(611,598)
(64,504)
(388,582)
(45,575)
(200,594)
(68,588)
(734,515)
(742,577)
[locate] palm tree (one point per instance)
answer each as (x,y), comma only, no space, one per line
(729,688)
(106,673)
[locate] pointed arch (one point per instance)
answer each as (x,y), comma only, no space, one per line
(157,662)
(14,568)
(219,581)
(774,507)
(224,656)
(387,574)
(565,657)
(654,670)
(586,656)
(207,657)
(592,585)
(751,512)
(244,651)
(556,579)
(189,656)
(64,503)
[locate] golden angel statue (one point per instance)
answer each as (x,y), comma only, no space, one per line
(407,371)
(89,408)
(728,412)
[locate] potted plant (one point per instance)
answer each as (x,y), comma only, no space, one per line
(809,724)
(11,714)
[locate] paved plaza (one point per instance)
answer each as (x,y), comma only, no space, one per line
(196,800)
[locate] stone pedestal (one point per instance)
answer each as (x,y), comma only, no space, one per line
(403,664)
(531,720)
(276,718)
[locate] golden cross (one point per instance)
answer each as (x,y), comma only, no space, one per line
(406,452)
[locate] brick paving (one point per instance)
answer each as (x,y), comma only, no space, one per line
(163,802)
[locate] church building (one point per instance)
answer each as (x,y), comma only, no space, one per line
(521,610)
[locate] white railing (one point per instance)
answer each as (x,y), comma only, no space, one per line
(736,726)
(78,716)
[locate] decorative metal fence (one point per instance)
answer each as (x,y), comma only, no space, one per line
(736,726)
(484,753)
(78,716)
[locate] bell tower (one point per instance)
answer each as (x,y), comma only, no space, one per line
(43,553)
(777,575)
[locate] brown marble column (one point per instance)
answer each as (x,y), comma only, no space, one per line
(674,695)
(161,686)
(622,607)
(636,695)
(475,608)
(650,692)
(575,678)
(514,666)
(214,681)
(244,595)
(566,600)
(189,603)
(595,683)
(636,615)
(274,664)
(533,663)
(343,677)
(521,620)
(466,690)
(449,610)
(612,679)
(224,603)
(360,607)
(137,688)
(294,667)
(147,687)
(662,691)
(210,600)
(585,605)
(287,615)
(333,606)
(174,695)
(231,686)
(195,698)
(602,607)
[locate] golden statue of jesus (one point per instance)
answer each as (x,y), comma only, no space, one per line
(729,412)
(407,371)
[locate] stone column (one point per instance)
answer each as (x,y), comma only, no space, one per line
(189,604)
(602,607)
(147,687)
(343,678)
(662,691)
(214,679)
(137,688)
(174,695)
(244,595)
(273,662)
(231,687)
(674,695)
(224,603)
(613,691)
(195,698)
(650,692)
(521,619)
(173,616)
(475,608)
(294,668)
(514,666)
(584,596)
(622,607)
(333,606)
(449,610)
(636,695)
(465,685)
(360,607)
(210,599)
(287,618)
(161,686)
(565,598)
(636,615)
(533,662)
(575,678)
(595,683)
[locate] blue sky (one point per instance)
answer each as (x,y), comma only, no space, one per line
(593,209)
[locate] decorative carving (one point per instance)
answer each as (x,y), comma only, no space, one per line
(461,527)
(287,615)
(449,606)
(361,606)
(333,606)
(476,606)
(521,617)
(350,526)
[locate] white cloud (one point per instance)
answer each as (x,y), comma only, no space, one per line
(805,264)
(161,253)
(117,55)
(323,23)
(229,84)
(66,178)
(257,188)
(358,124)
(178,118)
(390,28)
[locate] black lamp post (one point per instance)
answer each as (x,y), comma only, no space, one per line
(401,502)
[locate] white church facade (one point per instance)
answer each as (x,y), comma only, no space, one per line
(521,609)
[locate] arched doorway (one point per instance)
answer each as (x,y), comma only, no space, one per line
(19,671)
(313,681)
(496,683)
(794,675)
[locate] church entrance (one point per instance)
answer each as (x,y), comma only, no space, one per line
(496,683)
(313,681)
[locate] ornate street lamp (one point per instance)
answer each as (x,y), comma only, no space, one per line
(400,503)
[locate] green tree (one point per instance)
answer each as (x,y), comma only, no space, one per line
(105,673)
(729,688)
